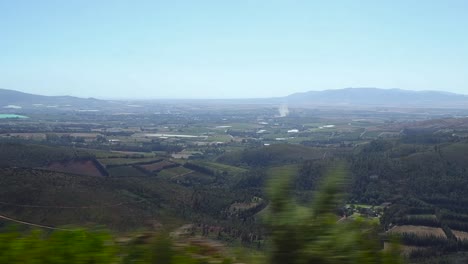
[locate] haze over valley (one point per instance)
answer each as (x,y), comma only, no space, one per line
(347,97)
(254,132)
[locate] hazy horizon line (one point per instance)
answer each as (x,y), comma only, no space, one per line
(227,98)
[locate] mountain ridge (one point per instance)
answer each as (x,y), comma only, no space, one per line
(378,96)
(351,96)
(21,99)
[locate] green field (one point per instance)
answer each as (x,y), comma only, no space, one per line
(221,167)
(283,171)
(125,171)
(174,172)
(125,161)
(219,138)
(103,154)
(244,126)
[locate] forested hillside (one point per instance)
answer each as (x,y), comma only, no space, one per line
(413,186)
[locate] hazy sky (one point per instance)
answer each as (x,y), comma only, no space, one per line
(230,48)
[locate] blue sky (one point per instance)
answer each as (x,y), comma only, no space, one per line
(230,49)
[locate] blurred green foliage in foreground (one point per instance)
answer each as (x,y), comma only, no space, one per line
(315,234)
(297,235)
(85,247)
(58,247)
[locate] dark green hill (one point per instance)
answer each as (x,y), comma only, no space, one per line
(57,199)
(276,154)
(42,185)
(390,169)
(33,155)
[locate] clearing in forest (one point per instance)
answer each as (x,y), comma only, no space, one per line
(460,235)
(83,167)
(418,230)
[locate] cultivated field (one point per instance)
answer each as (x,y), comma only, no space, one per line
(221,167)
(283,171)
(157,166)
(174,172)
(125,161)
(460,234)
(404,249)
(83,167)
(418,230)
(125,171)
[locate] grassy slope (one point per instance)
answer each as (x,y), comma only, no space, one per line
(221,167)
(50,191)
(125,171)
(280,171)
(275,154)
(125,161)
(138,200)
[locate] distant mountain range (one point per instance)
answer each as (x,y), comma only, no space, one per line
(365,97)
(12,99)
(379,97)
